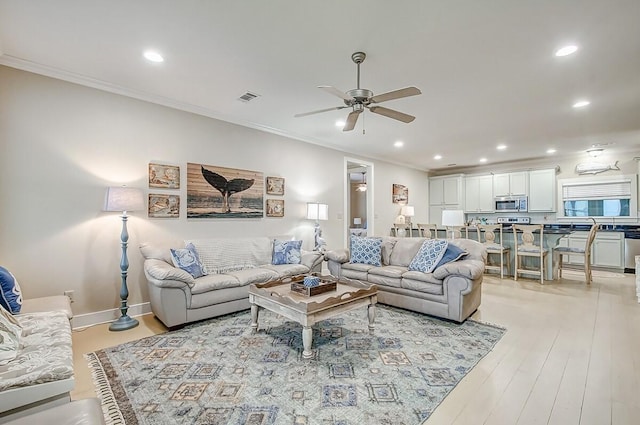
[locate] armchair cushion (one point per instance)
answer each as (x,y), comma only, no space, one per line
(10,295)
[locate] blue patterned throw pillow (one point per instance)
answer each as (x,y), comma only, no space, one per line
(286,252)
(366,250)
(429,255)
(188,260)
(10,296)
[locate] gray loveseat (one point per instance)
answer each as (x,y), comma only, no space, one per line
(178,298)
(452,291)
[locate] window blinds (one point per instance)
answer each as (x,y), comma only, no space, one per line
(593,190)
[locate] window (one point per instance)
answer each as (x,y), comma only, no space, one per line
(599,196)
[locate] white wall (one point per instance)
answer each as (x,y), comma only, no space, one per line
(63,144)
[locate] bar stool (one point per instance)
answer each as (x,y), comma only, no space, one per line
(402,230)
(494,247)
(528,248)
(429,231)
(560,251)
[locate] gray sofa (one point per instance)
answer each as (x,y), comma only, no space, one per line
(452,291)
(177,298)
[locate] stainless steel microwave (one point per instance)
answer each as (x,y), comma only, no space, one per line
(511,204)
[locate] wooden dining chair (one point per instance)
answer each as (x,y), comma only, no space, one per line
(560,251)
(429,231)
(528,246)
(487,236)
(402,230)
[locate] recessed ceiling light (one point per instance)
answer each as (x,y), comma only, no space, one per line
(566,50)
(437,157)
(551,150)
(581,104)
(501,147)
(483,159)
(398,144)
(153,56)
(339,123)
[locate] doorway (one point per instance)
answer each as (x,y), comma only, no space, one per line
(358,202)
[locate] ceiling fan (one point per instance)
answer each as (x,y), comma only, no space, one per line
(358,99)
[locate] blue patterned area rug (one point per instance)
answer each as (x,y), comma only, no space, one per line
(218,372)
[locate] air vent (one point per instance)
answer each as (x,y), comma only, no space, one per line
(248,96)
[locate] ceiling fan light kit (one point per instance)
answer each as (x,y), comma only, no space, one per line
(358,99)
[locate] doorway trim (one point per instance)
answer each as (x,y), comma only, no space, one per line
(370,191)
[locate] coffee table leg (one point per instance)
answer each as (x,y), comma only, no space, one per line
(371,311)
(254,317)
(307,339)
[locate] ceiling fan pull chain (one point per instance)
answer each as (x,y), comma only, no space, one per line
(363,124)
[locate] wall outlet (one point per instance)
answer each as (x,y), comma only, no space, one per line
(69,294)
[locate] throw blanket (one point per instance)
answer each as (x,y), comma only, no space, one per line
(227,255)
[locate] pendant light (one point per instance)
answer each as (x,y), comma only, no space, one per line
(362,187)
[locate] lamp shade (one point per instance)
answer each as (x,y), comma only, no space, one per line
(452,217)
(317,211)
(407,211)
(120,198)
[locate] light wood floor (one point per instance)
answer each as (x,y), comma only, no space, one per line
(571,355)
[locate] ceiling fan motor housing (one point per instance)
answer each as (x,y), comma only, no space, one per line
(361,96)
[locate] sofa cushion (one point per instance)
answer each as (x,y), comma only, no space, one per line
(404,250)
(285,270)
(356,271)
(386,275)
(10,294)
(211,282)
(429,255)
(387,249)
(366,250)
(286,252)
(158,251)
(187,259)
(258,275)
(422,282)
(224,255)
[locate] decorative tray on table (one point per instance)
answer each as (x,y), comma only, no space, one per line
(312,285)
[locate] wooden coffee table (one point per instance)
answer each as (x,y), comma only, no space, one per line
(278,297)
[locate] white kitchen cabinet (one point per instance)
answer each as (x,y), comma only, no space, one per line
(446,190)
(478,194)
(542,190)
(509,184)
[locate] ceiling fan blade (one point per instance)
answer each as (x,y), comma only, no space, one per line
(396,115)
(334,91)
(351,120)
(335,108)
(396,94)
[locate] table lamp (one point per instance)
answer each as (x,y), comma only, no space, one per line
(452,218)
(357,221)
(317,211)
(123,199)
(407,211)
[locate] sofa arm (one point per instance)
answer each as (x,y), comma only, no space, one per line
(470,269)
(311,259)
(338,255)
(164,275)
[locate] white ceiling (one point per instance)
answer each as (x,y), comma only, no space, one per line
(486,69)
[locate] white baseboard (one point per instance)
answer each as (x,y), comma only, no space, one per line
(89,319)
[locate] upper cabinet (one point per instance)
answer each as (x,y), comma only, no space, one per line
(446,190)
(542,190)
(478,194)
(510,184)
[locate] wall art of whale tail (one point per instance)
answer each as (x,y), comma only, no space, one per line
(226,187)
(595,167)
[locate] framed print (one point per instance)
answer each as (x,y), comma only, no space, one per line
(164,176)
(275,186)
(400,194)
(275,208)
(164,206)
(219,192)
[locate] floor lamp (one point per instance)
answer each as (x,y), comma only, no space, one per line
(451,218)
(123,199)
(317,212)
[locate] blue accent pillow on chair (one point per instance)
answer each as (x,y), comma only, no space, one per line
(429,255)
(286,252)
(188,260)
(11,296)
(366,250)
